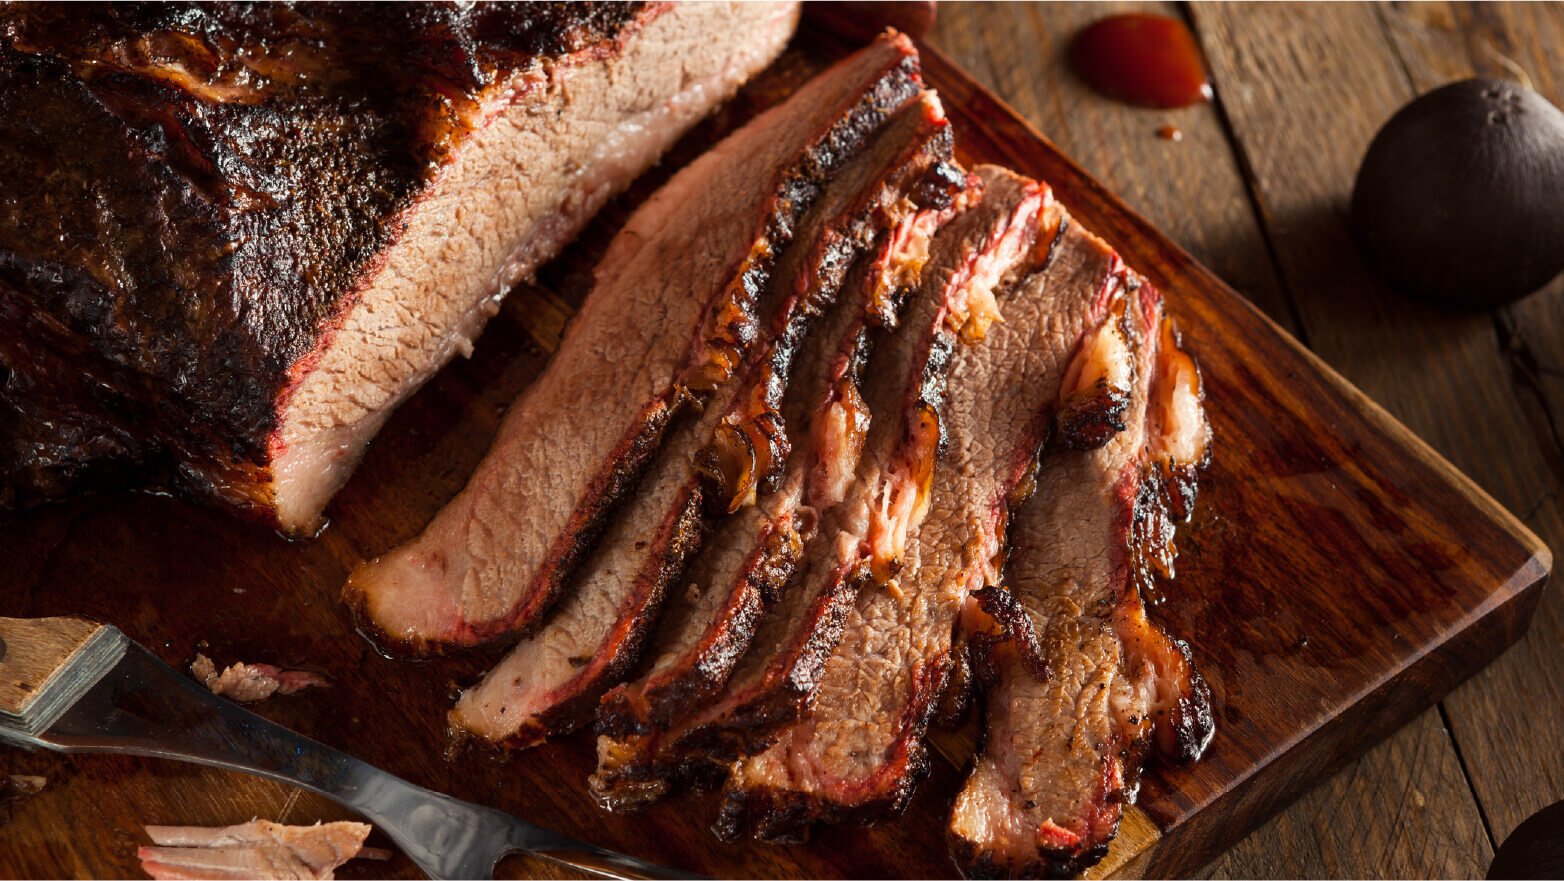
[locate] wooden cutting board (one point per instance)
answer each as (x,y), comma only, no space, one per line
(1338,578)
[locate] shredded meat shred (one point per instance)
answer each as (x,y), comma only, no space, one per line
(257,849)
(248,683)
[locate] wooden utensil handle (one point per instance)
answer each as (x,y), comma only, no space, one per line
(35,650)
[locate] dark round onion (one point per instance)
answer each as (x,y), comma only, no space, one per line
(1460,198)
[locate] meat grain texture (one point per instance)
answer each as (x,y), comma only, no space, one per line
(860,752)
(543,687)
(858,589)
(776,677)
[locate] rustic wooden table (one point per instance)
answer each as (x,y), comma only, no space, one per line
(1258,189)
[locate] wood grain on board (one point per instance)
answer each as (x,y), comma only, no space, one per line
(1338,579)
(1020,51)
(1287,766)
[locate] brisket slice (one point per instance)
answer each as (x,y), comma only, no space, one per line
(749,452)
(671,317)
(541,689)
(739,574)
(751,554)
(858,754)
(1083,681)
(233,237)
(742,570)
(548,682)
(775,679)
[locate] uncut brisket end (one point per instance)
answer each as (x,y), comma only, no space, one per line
(542,688)
(672,315)
(858,754)
(1083,682)
(751,554)
(234,237)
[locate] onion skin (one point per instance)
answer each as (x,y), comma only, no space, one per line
(1459,197)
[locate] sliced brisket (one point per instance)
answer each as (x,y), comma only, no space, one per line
(775,679)
(552,679)
(233,237)
(670,319)
(542,688)
(839,426)
(710,623)
(752,555)
(858,754)
(1082,679)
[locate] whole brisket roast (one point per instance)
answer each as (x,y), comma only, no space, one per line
(233,237)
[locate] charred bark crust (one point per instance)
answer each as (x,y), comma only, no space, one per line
(191,196)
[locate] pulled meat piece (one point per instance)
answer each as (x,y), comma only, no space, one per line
(257,849)
(248,683)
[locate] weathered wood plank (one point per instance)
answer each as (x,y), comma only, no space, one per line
(1305,89)
(1401,811)
(1513,776)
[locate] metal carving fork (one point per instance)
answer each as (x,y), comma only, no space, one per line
(80,687)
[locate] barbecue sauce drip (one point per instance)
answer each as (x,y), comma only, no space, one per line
(1141,59)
